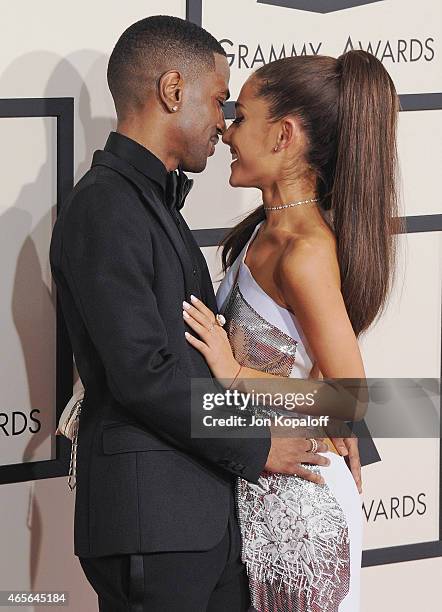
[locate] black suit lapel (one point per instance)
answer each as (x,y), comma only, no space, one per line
(104,158)
(207,293)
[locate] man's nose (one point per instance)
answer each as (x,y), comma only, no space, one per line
(221,125)
(226,136)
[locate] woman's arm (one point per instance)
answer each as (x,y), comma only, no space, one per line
(308,279)
(310,286)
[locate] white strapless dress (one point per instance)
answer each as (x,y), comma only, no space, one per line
(301,542)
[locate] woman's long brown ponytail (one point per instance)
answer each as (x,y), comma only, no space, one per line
(348,108)
(364,194)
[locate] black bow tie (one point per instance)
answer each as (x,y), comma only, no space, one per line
(177,189)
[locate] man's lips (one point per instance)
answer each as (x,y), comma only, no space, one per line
(213,142)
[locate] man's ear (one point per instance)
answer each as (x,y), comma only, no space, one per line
(170,89)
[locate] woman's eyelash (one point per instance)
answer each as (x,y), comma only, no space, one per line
(237,120)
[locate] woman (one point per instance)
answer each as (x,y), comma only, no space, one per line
(306,273)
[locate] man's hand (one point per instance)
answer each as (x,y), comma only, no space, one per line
(286,455)
(348,448)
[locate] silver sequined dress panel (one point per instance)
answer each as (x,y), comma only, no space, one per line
(295,542)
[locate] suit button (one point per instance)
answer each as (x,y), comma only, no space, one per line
(194,271)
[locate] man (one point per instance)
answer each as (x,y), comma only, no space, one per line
(155,526)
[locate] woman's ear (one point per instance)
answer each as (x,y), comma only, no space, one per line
(170,90)
(287,133)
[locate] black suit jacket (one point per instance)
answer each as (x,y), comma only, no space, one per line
(122,271)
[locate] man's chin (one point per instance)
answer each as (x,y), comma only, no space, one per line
(195,166)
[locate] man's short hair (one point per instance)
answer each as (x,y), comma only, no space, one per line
(150,47)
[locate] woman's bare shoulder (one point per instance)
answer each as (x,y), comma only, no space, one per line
(311,254)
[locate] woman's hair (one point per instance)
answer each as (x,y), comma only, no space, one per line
(348,109)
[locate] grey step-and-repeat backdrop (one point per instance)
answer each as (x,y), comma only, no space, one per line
(402,491)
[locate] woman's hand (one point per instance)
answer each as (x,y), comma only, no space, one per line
(213,343)
(348,448)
